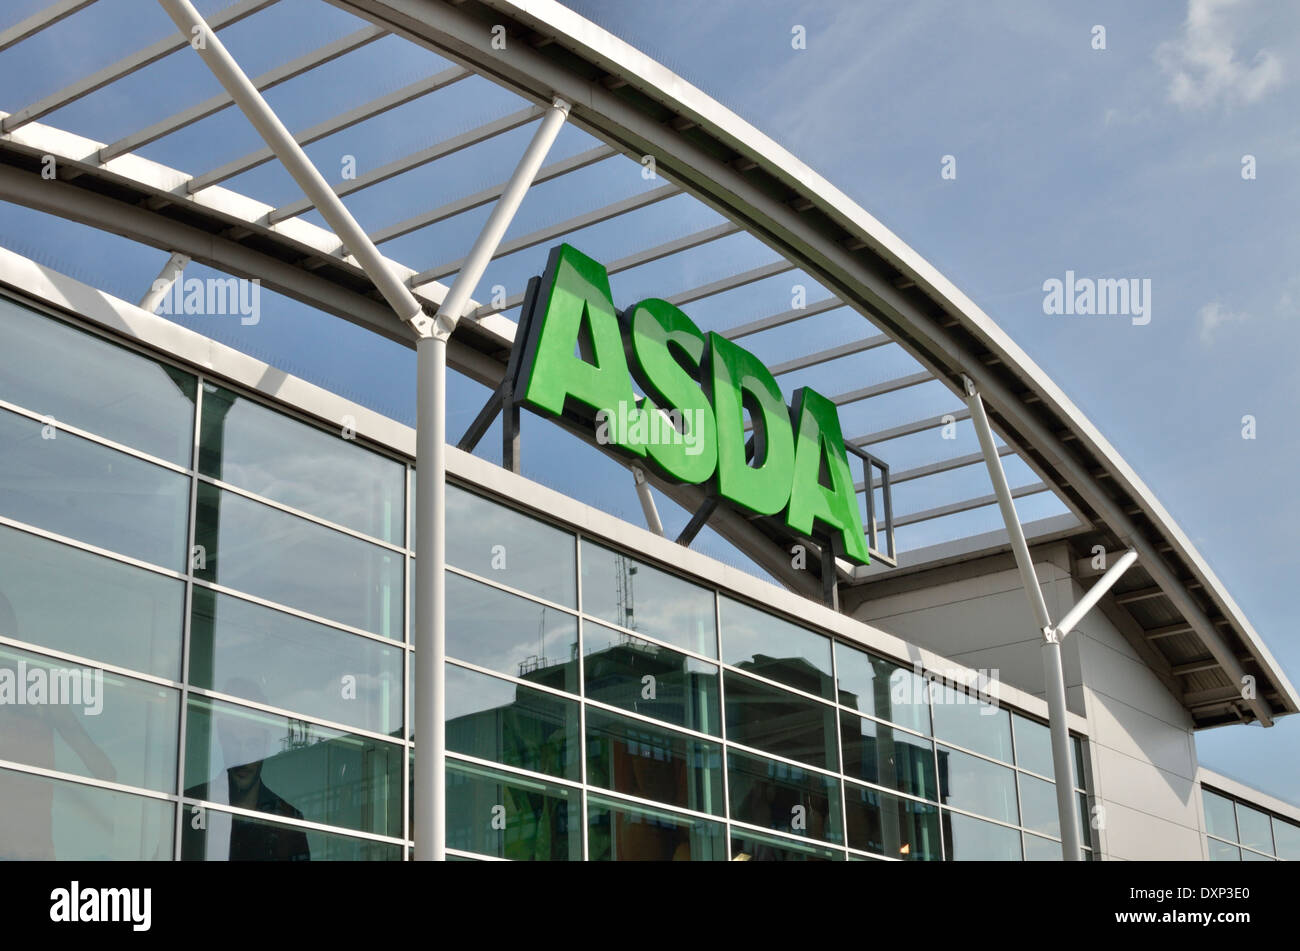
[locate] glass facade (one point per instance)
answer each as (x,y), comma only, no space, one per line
(1236,831)
(231,583)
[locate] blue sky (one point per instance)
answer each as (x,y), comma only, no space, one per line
(1122,162)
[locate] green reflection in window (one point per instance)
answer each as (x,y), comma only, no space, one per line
(977,785)
(282,766)
(82,380)
(763,644)
(47,819)
(89,605)
(505,816)
(87,721)
(229,837)
(646,761)
(879,687)
(892,825)
(274,555)
(624,832)
(619,589)
(780,722)
(501,721)
(273,455)
(74,487)
(294,663)
(511,635)
(974,840)
(777,795)
(885,756)
(643,677)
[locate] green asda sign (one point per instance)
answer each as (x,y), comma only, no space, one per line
(583,360)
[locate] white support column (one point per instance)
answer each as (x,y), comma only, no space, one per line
(162,284)
(1053,672)
(647,502)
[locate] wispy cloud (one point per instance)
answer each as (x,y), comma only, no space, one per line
(1202,64)
(1212,317)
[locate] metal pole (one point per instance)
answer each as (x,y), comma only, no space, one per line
(1053,672)
(1095,593)
(648,507)
(203,39)
(168,276)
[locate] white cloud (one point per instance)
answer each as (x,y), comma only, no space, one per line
(1213,316)
(1202,64)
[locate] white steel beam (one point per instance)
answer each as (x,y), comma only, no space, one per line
(172,269)
(39,20)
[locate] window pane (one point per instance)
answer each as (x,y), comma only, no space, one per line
(270,657)
(642,760)
(780,722)
(47,819)
(273,764)
(1248,856)
(623,832)
(236,838)
(876,686)
(1220,817)
(1078,762)
(627,592)
(86,604)
(283,459)
(510,548)
(510,817)
(681,690)
(972,840)
(976,785)
(1255,829)
(1222,852)
(98,495)
(1033,746)
(501,721)
(512,635)
(762,848)
(84,381)
(1288,839)
(779,796)
(82,720)
(891,825)
(268,553)
(882,755)
(1038,808)
(963,719)
(1038,849)
(756,641)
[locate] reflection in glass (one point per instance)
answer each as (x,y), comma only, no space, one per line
(759,642)
(224,836)
(780,722)
(86,721)
(46,819)
(963,719)
(499,720)
(642,760)
(643,677)
(274,555)
(973,840)
(1038,809)
(976,785)
(283,459)
(84,381)
(624,832)
(776,795)
(511,635)
(1254,829)
(1220,816)
(1287,837)
(286,767)
(1033,746)
(619,589)
(510,817)
(891,825)
(877,686)
(510,548)
(882,755)
(78,488)
(1222,852)
(764,848)
(1038,849)
(295,663)
(89,605)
